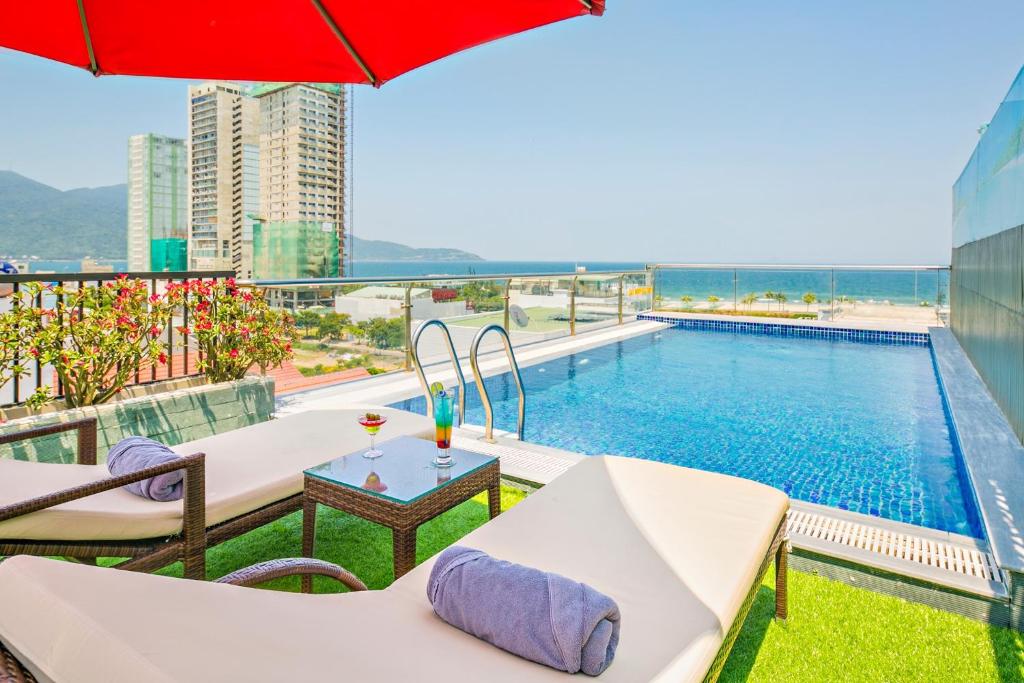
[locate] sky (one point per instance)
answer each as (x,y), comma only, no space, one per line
(707,131)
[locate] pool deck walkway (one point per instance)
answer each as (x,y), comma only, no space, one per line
(842,323)
(993,458)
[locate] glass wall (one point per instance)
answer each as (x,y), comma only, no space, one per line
(350,326)
(987,313)
(907,295)
(989,195)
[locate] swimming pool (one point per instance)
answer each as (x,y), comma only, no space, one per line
(854,425)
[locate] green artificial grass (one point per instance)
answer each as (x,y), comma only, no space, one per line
(835,632)
(541,320)
(361,547)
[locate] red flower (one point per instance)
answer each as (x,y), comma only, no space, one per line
(154,298)
(34,352)
(247,297)
(163,359)
(233,353)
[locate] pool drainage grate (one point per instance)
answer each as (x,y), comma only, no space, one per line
(955,555)
(938,558)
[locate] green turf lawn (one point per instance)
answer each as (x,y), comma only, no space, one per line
(834,632)
(540,320)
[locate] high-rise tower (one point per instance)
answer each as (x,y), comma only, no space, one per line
(157,198)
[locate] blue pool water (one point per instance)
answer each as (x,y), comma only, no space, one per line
(853,425)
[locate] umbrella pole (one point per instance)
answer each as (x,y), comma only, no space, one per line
(329,20)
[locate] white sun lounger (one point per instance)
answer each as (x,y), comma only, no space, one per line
(252,476)
(683,552)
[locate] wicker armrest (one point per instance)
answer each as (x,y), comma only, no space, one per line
(296,566)
(11,670)
(194,487)
(86,436)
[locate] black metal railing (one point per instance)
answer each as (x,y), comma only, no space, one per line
(17,392)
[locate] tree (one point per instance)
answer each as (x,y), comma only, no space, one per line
(770,295)
(307,320)
(713,300)
(809,298)
(749,299)
(782,299)
(484,296)
(687,300)
(333,325)
(385,333)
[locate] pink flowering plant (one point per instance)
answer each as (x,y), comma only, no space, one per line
(233,327)
(17,327)
(95,338)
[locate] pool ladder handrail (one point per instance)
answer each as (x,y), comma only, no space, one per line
(415,344)
(485,399)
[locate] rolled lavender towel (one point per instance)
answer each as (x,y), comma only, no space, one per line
(137,452)
(539,616)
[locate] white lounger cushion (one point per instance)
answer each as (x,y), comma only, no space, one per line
(245,470)
(677,548)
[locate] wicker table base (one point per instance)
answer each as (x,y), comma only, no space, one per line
(402,519)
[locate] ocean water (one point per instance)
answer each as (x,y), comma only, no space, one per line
(69,265)
(853,425)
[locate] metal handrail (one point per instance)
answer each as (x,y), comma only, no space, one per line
(113,275)
(783,266)
(414,346)
(474,351)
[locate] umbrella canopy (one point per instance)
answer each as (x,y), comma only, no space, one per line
(335,41)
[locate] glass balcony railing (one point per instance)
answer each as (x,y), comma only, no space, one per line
(352,323)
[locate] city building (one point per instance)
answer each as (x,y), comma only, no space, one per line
(157,195)
(302,180)
(372,302)
(223,173)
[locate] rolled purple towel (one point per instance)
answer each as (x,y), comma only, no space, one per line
(539,616)
(136,453)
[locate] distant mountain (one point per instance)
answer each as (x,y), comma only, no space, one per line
(379,250)
(39,220)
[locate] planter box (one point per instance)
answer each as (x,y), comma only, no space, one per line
(171,417)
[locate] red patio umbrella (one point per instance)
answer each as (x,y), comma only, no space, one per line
(335,41)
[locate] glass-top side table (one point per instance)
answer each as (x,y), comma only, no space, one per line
(401,490)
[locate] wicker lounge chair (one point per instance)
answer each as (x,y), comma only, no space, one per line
(252,477)
(683,552)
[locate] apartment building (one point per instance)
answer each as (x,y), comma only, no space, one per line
(157,197)
(302,179)
(223,177)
